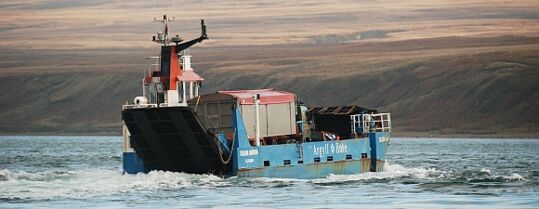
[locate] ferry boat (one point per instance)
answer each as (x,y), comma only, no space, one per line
(245,133)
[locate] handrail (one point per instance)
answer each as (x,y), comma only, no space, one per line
(365,123)
(133,106)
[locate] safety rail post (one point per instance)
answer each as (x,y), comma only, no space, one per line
(256,100)
(383,121)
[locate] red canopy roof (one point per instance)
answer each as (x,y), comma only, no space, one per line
(267,96)
(189,75)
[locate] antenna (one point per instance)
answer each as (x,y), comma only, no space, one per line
(162,36)
(203,29)
(203,36)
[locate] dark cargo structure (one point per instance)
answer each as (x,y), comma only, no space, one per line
(336,119)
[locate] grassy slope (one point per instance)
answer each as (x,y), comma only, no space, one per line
(446,86)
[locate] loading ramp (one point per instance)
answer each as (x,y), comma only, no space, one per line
(173,139)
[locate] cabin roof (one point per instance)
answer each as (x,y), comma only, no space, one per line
(267,96)
(189,75)
(340,110)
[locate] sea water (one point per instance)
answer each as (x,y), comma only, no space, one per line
(85,172)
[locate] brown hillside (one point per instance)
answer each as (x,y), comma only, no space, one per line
(465,67)
(446,86)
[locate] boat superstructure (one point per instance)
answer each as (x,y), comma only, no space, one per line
(251,133)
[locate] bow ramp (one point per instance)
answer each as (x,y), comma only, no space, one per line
(172,139)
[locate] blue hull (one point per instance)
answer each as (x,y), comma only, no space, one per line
(295,160)
(283,161)
(317,159)
(132,163)
(310,171)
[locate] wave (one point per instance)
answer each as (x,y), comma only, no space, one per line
(420,175)
(390,172)
(87,183)
(265,182)
(20,185)
(484,176)
(6,175)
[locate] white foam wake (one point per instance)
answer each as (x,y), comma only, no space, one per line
(515,177)
(80,184)
(390,171)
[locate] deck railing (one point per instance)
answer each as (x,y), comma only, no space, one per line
(133,106)
(365,123)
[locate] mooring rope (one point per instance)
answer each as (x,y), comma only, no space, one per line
(231,149)
(196,105)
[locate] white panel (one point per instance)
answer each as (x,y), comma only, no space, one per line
(263,121)
(279,118)
(172,98)
(293,116)
(275,119)
(248,114)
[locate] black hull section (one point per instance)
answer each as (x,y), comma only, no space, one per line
(173,139)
